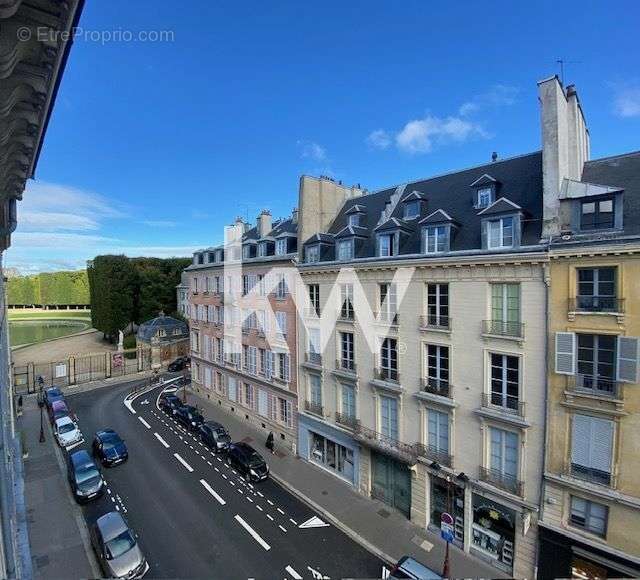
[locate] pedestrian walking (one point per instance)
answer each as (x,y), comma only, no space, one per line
(269,444)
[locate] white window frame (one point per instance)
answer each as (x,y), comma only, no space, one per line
(281,246)
(344,250)
(501,235)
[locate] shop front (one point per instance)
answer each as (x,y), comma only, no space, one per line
(328,448)
(391,482)
(493,532)
(447,497)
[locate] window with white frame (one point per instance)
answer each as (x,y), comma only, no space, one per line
(589,515)
(281,247)
(411,209)
(437,368)
(438,431)
(315,390)
(251,360)
(314,351)
(261,285)
(313,291)
(388,302)
(348,401)
(389,416)
(505,381)
(281,322)
(353,219)
(503,453)
(437,305)
(389,359)
(385,245)
(592,448)
(248,395)
(262,249)
(347,354)
(346,302)
(505,309)
(500,233)
(261,360)
(283,366)
(484,197)
(435,239)
(281,287)
(312,253)
(246,251)
(345,250)
(285,416)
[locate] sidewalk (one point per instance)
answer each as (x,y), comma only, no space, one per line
(373,524)
(54,520)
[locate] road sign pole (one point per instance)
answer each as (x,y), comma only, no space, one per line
(445,566)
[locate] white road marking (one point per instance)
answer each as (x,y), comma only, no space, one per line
(159,438)
(293,521)
(212,492)
(223,475)
(259,494)
(253,533)
(186,465)
(217,469)
(270,517)
(117,507)
(293,573)
(278,509)
(313,522)
(218,458)
(108,491)
(232,483)
(269,502)
(283,529)
(259,508)
(209,462)
(113,499)
(240,491)
(144,423)
(249,499)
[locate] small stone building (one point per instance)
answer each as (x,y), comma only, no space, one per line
(167,337)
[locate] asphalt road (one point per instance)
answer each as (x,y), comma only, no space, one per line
(195,516)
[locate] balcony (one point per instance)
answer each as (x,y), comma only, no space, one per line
(315,408)
(388,445)
(432,453)
(437,387)
(434,322)
(503,328)
(502,480)
(386,374)
(597,304)
(508,404)
(595,385)
(346,315)
(346,365)
(313,358)
(348,421)
(385,317)
(591,475)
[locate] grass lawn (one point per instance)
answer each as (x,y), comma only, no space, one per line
(48,314)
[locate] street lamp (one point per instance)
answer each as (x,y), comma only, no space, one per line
(41,405)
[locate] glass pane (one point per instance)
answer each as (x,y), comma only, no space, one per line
(588,208)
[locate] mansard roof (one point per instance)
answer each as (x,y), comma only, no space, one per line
(414,195)
(350,231)
(500,205)
(356,208)
(485,179)
(437,217)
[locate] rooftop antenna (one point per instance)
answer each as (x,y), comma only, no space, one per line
(562,62)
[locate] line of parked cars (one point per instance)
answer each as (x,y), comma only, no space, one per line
(115,544)
(244,458)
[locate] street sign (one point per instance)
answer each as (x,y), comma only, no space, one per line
(446,527)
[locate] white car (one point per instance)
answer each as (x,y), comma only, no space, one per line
(67,432)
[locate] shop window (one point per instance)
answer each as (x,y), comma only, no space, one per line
(493,531)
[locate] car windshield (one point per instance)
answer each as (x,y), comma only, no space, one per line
(86,472)
(255,460)
(120,545)
(66,428)
(110,440)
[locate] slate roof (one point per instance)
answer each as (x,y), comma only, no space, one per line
(519,180)
(148,329)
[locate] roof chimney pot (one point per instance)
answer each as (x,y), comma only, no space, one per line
(494,157)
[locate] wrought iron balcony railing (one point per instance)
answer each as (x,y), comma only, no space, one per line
(432,453)
(346,420)
(437,387)
(592,475)
(435,321)
(506,403)
(502,480)
(346,315)
(596,304)
(596,385)
(387,374)
(314,358)
(315,408)
(347,365)
(503,328)
(389,445)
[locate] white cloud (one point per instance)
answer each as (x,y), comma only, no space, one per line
(420,135)
(379,139)
(497,96)
(160,223)
(58,240)
(627,102)
(312,150)
(54,221)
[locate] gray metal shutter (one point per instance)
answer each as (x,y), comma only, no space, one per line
(581,440)
(601,444)
(565,353)
(263,403)
(627,367)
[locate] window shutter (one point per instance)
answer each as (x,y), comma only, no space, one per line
(263,403)
(484,236)
(565,353)
(627,359)
(285,370)
(601,444)
(581,440)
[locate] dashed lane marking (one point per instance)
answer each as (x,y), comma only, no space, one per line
(144,422)
(159,438)
(223,475)
(249,499)
(283,528)
(269,502)
(270,517)
(184,463)
(293,521)
(259,494)
(252,532)
(212,492)
(293,573)
(258,507)
(280,511)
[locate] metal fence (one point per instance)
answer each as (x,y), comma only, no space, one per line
(76,370)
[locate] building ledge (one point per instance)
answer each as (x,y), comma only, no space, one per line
(438,399)
(571,404)
(344,374)
(598,490)
(496,415)
(392,387)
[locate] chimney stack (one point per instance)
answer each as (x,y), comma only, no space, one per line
(264,224)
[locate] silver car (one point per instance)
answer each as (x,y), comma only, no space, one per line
(117,548)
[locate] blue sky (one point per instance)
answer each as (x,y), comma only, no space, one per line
(154,146)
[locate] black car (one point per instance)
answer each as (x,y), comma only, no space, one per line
(109,448)
(84,477)
(179,364)
(52,394)
(214,436)
(189,417)
(247,461)
(170,404)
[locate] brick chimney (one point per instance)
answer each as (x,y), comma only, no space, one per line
(264,224)
(565,146)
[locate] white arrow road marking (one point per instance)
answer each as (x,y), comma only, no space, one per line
(145,402)
(316,574)
(144,422)
(159,438)
(212,492)
(293,573)
(314,522)
(253,533)
(187,466)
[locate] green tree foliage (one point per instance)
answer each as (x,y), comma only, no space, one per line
(49,289)
(125,290)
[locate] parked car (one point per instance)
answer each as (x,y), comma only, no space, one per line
(189,417)
(52,394)
(409,568)
(117,549)
(109,448)
(170,404)
(58,409)
(181,363)
(84,477)
(214,436)
(247,461)
(67,433)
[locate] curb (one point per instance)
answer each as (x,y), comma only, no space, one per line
(335,521)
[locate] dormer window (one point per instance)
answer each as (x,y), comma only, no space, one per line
(500,233)
(262,249)
(411,209)
(484,197)
(597,215)
(436,239)
(353,219)
(385,245)
(281,247)
(345,250)
(246,252)
(220,256)
(312,254)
